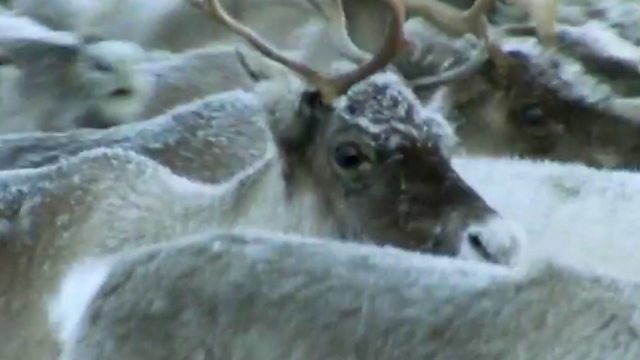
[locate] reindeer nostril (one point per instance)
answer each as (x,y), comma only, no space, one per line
(477,242)
(120,92)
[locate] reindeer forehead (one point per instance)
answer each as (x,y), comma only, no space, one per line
(379,100)
(384,104)
(116,52)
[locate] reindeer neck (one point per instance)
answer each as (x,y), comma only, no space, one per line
(261,198)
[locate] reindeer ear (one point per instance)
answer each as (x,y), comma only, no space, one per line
(299,132)
(29,52)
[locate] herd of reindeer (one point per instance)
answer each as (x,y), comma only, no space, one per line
(319,179)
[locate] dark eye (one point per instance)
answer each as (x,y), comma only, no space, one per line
(101,66)
(532,116)
(349,156)
(351,109)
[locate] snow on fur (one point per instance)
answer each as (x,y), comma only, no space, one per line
(265,296)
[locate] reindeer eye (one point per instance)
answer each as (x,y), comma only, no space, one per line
(351,109)
(101,66)
(349,156)
(532,115)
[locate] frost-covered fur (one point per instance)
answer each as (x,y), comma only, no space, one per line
(100,202)
(571,213)
(269,297)
(208,140)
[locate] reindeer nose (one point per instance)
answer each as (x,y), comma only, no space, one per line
(495,240)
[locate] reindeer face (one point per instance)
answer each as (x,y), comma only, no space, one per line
(117,90)
(67,84)
(382,162)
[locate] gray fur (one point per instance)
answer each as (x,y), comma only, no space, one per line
(208,140)
(266,297)
(184,77)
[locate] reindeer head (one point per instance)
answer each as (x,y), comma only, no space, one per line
(67,82)
(117,89)
(380,160)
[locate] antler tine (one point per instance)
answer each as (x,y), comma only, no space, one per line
(394,43)
(215,10)
(461,22)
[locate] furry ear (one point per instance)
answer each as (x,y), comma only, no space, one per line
(25,53)
(27,42)
(298,133)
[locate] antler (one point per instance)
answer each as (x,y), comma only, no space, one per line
(333,12)
(450,19)
(329,87)
(457,23)
(473,21)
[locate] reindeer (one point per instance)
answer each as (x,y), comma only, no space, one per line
(353,157)
(58,81)
(160,81)
(268,296)
(101,84)
(574,101)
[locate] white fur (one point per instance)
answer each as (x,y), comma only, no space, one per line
(76,292)
(570,212)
